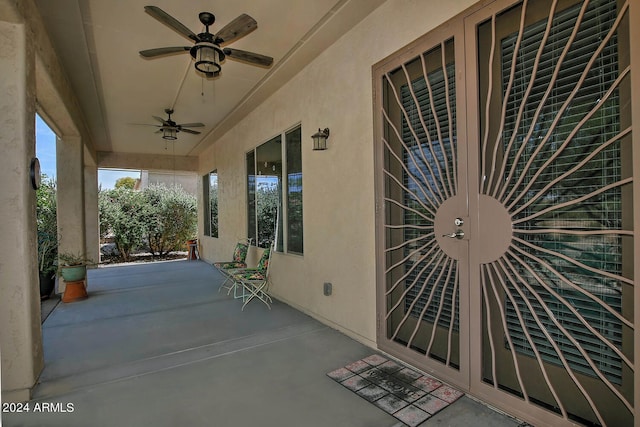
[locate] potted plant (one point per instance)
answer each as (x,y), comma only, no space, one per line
(192,248)
(47,232)
(73,269)
(47,254)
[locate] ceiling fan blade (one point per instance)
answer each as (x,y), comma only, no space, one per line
(159,51)
(195,132)
(172,22)
(191,125)
(250,57)
(160,119)
(239,27)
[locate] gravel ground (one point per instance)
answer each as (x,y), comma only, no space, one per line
(109,255)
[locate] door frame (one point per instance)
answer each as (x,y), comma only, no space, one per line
(447,31)
(469,377)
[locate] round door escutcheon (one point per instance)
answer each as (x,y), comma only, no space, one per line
(495,229)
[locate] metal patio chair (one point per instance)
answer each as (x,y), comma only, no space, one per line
(255,281)
(228,267)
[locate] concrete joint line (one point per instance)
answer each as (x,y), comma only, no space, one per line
(156,364)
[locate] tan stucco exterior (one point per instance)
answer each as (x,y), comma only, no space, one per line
(21,339)
(334,91)
(340,206)
(32,80)
(187,180)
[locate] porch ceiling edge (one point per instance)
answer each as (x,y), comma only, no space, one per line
(146,161)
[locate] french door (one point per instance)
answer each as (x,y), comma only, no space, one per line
(505,212)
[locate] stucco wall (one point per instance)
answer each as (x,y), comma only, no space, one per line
(334,91)
(20,337)
(30,71)
(187,180)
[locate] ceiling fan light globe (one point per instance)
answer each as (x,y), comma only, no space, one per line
(207,67)
(169,133)
(208,57)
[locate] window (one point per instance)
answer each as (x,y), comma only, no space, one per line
(600,251)
(294,191)
(274,205)
(210,202)
(435,95)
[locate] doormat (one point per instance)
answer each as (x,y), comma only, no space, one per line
(408,395)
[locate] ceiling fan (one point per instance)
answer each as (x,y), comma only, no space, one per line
(207,50)
(169,128)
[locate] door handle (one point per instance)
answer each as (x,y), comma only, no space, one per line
(458,234)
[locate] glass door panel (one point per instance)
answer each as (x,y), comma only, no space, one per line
(554,129)
(423,198)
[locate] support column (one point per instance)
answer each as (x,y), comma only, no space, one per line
(71,205)
(20,333)
(92,229)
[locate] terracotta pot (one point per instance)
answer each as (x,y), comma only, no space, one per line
(192,247)
(74,291)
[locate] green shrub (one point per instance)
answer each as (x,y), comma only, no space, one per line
(268,200)
(171,217)
(122,213)
(159,218)
(47,225)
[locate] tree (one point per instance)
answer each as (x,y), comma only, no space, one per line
(267,204)
(122,212)
(213,209)
(163,218)
(171,217)
(126,182)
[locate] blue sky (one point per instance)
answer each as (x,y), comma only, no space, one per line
(46,153)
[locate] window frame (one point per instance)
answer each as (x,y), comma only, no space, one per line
(284,245)
(209,230)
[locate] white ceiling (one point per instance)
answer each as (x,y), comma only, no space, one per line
(98,42)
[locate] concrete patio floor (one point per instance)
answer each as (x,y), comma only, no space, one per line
(157,345)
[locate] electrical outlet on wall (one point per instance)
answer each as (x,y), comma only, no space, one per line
(328,288)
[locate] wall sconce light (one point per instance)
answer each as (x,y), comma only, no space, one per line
(169,132)
(320,139)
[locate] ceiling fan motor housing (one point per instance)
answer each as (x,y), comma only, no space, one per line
(207,18)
